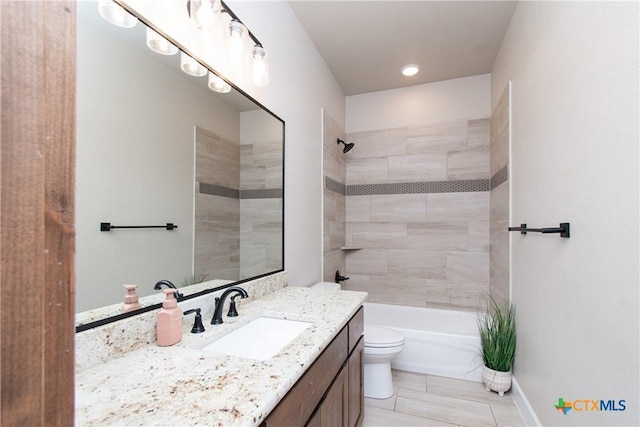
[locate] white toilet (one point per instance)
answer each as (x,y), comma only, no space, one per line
(381,345)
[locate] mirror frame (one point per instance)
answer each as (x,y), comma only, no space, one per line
(121,316)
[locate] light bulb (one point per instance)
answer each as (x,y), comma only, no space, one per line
(259,67)
(216,84)
(204,13)
(191,66)
(159,44)
(115,14)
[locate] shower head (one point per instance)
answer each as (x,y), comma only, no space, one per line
(347,146)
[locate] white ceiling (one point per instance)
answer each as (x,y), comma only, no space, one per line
(366,43)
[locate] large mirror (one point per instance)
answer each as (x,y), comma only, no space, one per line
(157,146)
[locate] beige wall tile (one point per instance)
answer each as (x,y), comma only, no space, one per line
(401,208)
(439,137)
(383,235)
(377,144)
(456,294)
(468,164)
(366,261)
(500,133)
(499,202)
(479,236)
(333,260)
(458,206)
(418,167)
(499,271)
(472,266)
(500,238)
(368,171)
(437,236)
(357,208)
(478,133)
(419,264)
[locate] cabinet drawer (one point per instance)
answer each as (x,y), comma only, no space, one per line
(298,405)
(356,328)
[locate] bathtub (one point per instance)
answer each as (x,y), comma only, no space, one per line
(437,342)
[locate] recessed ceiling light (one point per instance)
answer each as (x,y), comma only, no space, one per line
(410,70)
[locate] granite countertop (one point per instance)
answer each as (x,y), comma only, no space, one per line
(182,385)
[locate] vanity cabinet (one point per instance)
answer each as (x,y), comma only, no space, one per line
(330,393)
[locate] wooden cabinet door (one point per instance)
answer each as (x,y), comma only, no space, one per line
(356,385)
(334,409)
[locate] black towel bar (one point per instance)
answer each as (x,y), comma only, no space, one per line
(106,226)
(564,229)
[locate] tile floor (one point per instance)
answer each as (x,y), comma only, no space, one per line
(428,400)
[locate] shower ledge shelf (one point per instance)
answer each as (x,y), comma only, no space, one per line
(350,248)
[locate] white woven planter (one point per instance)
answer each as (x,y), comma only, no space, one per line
(496,380)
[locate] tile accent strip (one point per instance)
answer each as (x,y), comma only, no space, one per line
(232,193)
(267,193)
(461,186)
(335,186)
(218,190)
(499,177)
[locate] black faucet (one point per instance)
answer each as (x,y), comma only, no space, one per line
(168,284)
(339,278)
(217,313)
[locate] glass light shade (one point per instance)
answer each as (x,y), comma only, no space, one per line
(216,84)
(204,13)
(410,70)
(115,14)
(159,44)
(191,66)
(236,39)
(259,67)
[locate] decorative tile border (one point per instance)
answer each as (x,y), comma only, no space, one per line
(267,193)
(218,190)
(335,186)
(461,186)
(232,193)
(499,177)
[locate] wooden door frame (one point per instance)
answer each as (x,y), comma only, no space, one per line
(37,229)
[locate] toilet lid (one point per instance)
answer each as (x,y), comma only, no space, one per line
(378,336)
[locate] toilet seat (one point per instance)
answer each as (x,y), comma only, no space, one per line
(381,337)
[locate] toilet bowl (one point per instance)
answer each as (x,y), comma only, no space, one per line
(381,345)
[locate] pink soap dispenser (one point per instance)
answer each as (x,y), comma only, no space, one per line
(169,324)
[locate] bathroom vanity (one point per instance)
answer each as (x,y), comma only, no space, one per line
(314,380)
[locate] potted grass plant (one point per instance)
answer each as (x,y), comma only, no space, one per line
(497,327)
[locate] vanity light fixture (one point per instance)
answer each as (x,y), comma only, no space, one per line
(216,84)
(159,44)
(115,14)
(235,41)
(410,70)
(191,66)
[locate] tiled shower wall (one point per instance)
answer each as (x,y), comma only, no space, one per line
(334,216)
(261,207)
(499,255)
(217,207)
(417,215)
(239,204)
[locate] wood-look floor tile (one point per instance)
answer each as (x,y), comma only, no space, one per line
(467,390)
(389,403)
(409,380)
(444,408)
(378,417)
(507,415)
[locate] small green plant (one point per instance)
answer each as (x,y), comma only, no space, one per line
(497,326)
(193,279)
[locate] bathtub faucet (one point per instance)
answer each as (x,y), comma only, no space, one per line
(339,278)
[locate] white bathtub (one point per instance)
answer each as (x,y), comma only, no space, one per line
(437,342)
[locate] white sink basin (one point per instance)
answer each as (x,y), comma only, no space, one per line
(260,339)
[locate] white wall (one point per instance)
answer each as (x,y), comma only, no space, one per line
(574,67)
(441,102)
(300,86)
